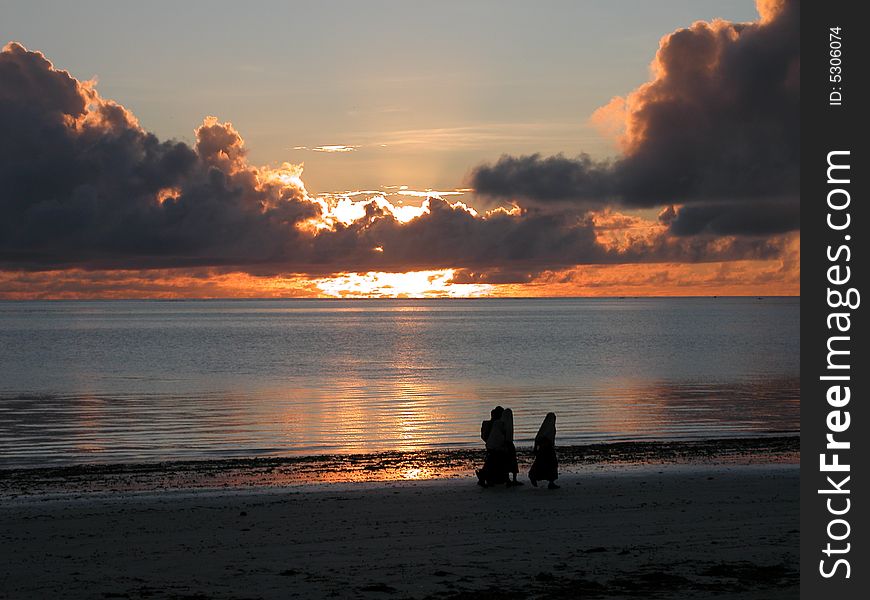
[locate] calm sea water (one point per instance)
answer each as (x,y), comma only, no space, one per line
(122,381)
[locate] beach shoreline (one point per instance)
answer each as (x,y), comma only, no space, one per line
(699,519)
(678,530)
(437,464)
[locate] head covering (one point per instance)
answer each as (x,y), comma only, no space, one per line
(507,418)
(548,428)
(496,413)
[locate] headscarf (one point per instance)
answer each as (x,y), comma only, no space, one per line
(548,428)
(507,418)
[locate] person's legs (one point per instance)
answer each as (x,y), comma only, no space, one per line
(534,469)
(552,470)
(481,478)
(503,463)
(494,469)
(487,474)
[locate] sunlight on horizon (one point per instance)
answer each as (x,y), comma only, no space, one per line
(415,284)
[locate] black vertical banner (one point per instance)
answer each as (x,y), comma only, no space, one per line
(834,261)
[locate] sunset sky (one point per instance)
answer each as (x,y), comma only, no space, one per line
(387,148)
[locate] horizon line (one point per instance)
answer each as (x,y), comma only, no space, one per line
(329,298)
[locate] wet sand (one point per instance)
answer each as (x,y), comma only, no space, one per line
(682,529)
(381,466)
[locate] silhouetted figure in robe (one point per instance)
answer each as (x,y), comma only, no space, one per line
(501,454)
(546,465)
(495,466)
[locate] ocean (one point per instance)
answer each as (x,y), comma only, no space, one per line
(147,381)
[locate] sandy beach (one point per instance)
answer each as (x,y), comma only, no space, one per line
(678,530)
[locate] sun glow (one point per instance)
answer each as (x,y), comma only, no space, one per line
(344,210)
(416,284)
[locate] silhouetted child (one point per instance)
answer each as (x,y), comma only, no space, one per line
(546,465)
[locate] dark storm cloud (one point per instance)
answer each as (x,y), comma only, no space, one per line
(536,240)
(83,185)
(581,181)
(450,235)
(719,125)
(757,218)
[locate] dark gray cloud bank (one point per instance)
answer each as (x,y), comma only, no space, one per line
(717,131)
(83,185)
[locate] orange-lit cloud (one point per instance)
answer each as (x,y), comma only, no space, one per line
(151,283)
(730,278)
(779,277)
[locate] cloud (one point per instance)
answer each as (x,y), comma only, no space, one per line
(716,130)
(580,181)
(780,276)
(732,218)
(83,186)
(335,148)
(81,183)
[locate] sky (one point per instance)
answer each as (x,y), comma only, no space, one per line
(283,149)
